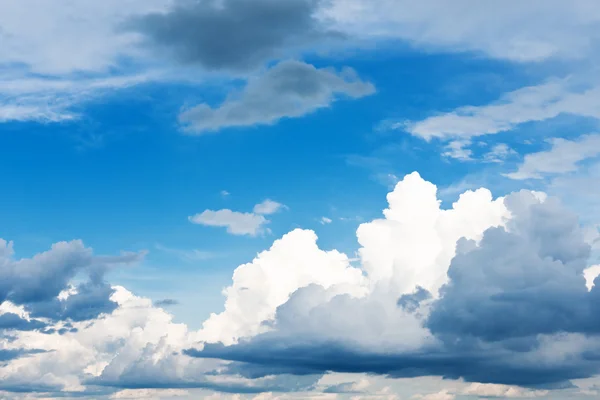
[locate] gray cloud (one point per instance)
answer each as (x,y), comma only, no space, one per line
(36,283)
(10,321)
(235,35)
(166,303)
(290,89)
(515,311)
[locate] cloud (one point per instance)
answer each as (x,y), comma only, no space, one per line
(51,42)
(442,395)
(52,100)
(268,207)
(489,290)
(149,394)
(166,303)
(37,282)
(250,32)
(289,89)
(458,150)
(501,391)
(193,255)
(563,157)
(259,287)
(533,103)
(499,153)
(239,223)
(325,221)
(560,31)
(508,302)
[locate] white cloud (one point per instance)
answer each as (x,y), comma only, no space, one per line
(563,157)
(523,31)
(149,394)
(534,103)
(590,274)
(325,221)
(319,291)
(187,255)
(502,391)
(53,99)
(69,36)
(458,150)
(239,223)
(268,207)
(499,153)
(259,287)
(442,395)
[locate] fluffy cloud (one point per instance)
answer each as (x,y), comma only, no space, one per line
(37,283)
(290,89)
(507,295)
(501,391)
(259,287)
(489,290)
(563,157)
(239,223)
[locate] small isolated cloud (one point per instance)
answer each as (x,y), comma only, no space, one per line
(268,207)
(166,303)
(499,153)
(563,157)
(458,149)
(325,221)
(290,89)
(225,193)
(239,223)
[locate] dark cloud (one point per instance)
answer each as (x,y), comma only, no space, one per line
(166,303)
(12,354)
(36,283)
(10,321)
(90,301)
(290,89)
(515,311)
(235,35)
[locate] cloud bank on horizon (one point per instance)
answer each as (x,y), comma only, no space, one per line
(493,294)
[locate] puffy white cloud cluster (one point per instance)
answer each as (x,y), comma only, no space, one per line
(297,311)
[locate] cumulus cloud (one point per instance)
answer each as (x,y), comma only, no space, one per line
(490,290)
(563,157)
(37,283)
(506,294)
(239,223)
(289,89)
(259,287)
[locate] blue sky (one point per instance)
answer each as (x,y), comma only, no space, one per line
(200,150)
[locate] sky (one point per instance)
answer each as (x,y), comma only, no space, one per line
(299,199)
